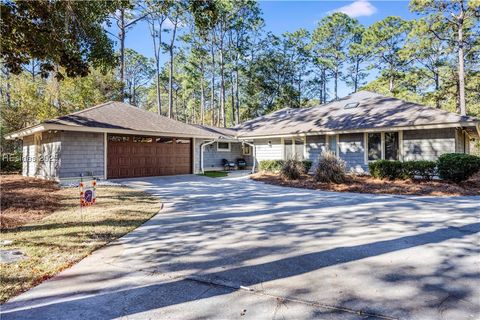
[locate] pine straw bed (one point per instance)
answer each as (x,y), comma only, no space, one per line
(367,184)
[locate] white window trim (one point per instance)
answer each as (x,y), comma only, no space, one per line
(249,153)
(382,146)
(224,150)
(304,139)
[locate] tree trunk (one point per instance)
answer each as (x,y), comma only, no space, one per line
(232,94)
(202,101)
(461,68)
(121,37)
(212,102)
(237,99)
(390,85)
(223,119)
(355,80)
(437,87)
(170,76)
(336,83)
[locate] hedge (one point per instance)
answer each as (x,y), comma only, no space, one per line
(276,165)
(457,167)
(271,165)
(386,169)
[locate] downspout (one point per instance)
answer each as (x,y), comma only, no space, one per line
(202,146)
(254,154)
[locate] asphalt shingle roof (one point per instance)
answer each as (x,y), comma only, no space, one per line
(119,115)
(373,111)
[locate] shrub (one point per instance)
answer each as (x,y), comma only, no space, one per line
(386,169)
(271,165)
(11,162)
(292,169)
(424,169)
(307,165)
(330,169)
(457,167)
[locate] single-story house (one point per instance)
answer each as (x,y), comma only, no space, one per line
(116,140)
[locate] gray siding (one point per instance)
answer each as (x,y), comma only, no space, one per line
(41,160)
(428,144)
(264,151)
(81,152)
(28,157)
(351,149)
(315,146)
(49,162)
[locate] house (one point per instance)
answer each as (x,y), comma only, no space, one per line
(115,140)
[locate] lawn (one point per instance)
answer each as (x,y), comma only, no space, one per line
(367,184)
(215,174)
(54,233)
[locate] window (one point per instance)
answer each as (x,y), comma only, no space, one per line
(374,149)
(182,141)
(383,145)
(332,143)
(294,148)
(391,146)
(164,140)
(246,150)
(299,147)
(142,139)
(223,146)
(118,138)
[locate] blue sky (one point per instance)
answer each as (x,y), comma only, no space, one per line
(282,16)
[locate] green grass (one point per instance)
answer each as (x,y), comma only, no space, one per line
(66,236)
(214,174)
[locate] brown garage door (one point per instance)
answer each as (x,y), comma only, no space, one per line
(140,156)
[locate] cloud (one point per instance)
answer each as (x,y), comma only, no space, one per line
(359,8)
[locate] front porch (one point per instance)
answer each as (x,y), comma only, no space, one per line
(214,153)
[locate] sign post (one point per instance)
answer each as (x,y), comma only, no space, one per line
(88,196)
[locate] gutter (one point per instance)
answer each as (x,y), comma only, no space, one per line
(254,154)
(46,126)
(382,129)
(202,146)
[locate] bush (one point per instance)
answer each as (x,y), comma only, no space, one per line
(292,169)
(424,169)
(386,169)
(307,165)
(11,162)
(330,169)
(457,167)
(271,165)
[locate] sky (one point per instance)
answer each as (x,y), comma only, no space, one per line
(283,16)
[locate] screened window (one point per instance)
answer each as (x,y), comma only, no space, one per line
(246,150)
(299,147)
(374,148)
(288,149)
(118,138)
(391,146)
(142,139)
(164,140)
(332,143)
(294,148)
(182,141)
(223,146)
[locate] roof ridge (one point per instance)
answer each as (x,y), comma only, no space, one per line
(88,109)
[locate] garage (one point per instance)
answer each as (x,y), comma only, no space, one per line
(131,156)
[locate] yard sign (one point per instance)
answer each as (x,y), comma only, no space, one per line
(88,194)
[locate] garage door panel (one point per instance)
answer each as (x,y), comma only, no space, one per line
(136,156)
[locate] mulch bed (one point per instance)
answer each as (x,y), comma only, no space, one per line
(367,184)
(24,200)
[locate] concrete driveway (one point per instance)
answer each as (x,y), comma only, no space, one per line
(245,250)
